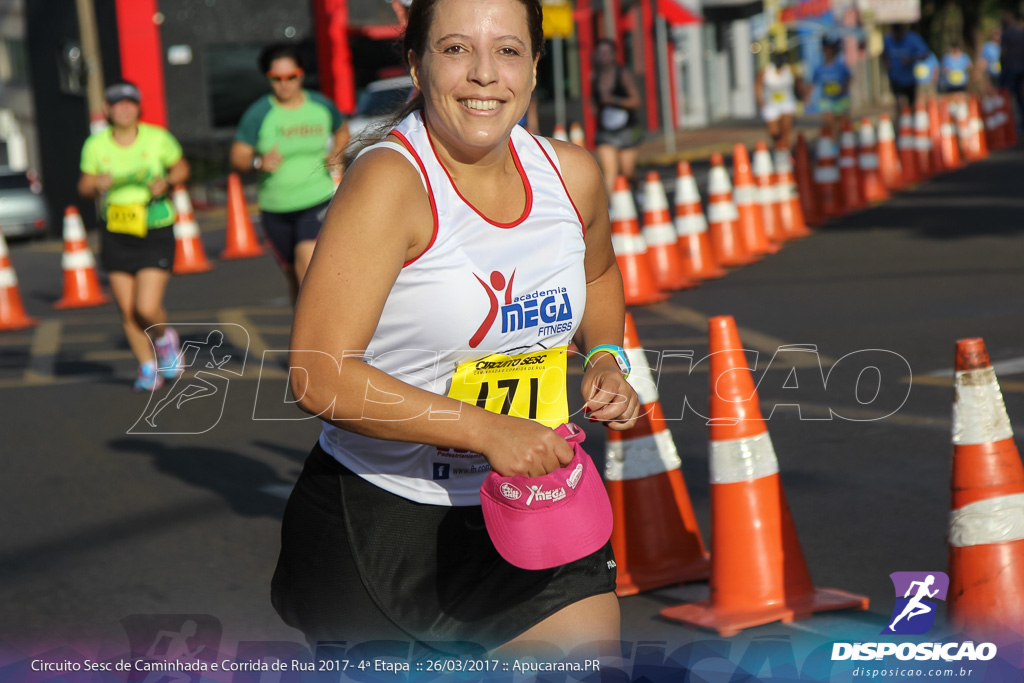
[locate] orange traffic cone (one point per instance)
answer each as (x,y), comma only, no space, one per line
(826,176)
(560,133)
(692,228)
(81,281)
(576,134)
(908,148)
(948,146)
(769,195)
(849,174)
(923,140)
(241,241)
(888,156)
(758,571)
(745,196)
(960,111)
(872,187)
(12,312)
(189,255)
(660,237)
(986,533)
(630,249)
(805,185)
(790,206)
(979,149)
(655,535)
(935,135)
(727,242)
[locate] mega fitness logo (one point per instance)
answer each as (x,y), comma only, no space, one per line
(546,309)
(917,598)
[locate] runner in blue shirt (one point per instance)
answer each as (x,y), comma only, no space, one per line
(990,52)
(926,73)
(903,49)
(956,70)
(833,80)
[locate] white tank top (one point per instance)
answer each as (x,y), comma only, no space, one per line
(778,85)
(479,288)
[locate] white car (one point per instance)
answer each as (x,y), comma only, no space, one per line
(378,102)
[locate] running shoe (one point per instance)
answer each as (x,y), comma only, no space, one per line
(149,379)
(168,354)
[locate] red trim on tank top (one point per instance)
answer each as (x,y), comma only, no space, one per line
(522,175)
(430,193)
(583,226)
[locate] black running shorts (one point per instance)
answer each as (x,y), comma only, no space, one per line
(130,254)
(285,230)
(358,563)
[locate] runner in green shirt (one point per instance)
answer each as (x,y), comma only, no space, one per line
(132,165)
(288,136)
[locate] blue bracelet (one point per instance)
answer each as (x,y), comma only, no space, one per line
(616,351)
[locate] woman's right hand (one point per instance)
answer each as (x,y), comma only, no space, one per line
(523,447)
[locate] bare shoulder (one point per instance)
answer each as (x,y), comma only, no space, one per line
(581,173)
(382,170)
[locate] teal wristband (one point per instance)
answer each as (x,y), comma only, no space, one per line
(617,352)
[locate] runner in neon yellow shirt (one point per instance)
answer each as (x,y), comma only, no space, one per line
(132,165)
(288,136)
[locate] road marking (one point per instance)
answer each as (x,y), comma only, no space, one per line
(256,343)
(278,490)
(751,339)
(43,351)
(108,354)
(947,382)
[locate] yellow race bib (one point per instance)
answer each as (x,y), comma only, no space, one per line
(922,71)
(833,89)
(779,96)
(957,77)
(529,385)
(127,219)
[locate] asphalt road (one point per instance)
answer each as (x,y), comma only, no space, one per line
(108,521)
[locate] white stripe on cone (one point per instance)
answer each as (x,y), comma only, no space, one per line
(660,234)
(691,224)
(647,456)
(993,520)
(627,245)
(8,278)
(747,459)
(979,414)
(77,260)
(74,228)
(719,212)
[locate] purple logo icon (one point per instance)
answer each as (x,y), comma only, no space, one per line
(916,596)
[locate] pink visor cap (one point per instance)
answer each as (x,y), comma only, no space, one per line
(543,522)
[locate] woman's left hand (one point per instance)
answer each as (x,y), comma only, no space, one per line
(610,398)
(158,188)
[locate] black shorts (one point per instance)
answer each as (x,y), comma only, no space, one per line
(625,138)
(359,564)
(129,254)
(285,230)
(908,91)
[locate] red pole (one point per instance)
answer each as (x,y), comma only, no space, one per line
(585,32)
(333,52)
(142,60)
(650,80)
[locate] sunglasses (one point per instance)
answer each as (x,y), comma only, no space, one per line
(285,77)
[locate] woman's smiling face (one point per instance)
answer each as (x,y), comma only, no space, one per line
(477,72)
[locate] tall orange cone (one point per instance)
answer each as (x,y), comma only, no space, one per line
(745,196)
(655,535)
(12,312)
(660,236)
(81,281)
(888,156)
(827,177)
(849,173)
(560,133)
(576,134)
(923,139)
(948,146)
(727,242)
(872,187)
(758,571)
(631,254)
(908,148)
(692,228)
(986,528)
(769,194)
(965,129)
(791,207)
(241,241)
(976,134)
(189,254)
(806,187)
(935,135)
